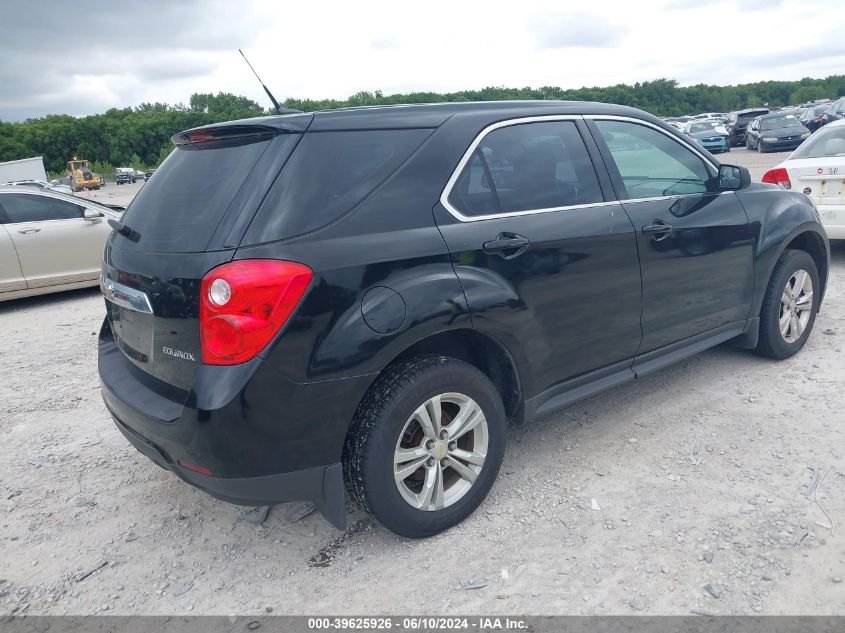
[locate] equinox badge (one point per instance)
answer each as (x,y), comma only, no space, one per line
(175,353)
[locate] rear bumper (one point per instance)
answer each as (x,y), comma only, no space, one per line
(263,440)
(833,220)
(322,484)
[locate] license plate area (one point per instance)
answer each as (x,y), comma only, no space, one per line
(132,321)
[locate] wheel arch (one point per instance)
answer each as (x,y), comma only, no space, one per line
(481,351)
(808,237)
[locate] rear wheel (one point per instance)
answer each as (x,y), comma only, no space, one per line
(789,306)
(426,445)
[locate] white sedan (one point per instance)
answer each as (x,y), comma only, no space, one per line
(49,241)
(817,168)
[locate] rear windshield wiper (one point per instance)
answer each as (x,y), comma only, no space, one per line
(125,231)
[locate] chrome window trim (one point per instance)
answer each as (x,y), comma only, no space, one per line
(125,296)
(680,141)
(444,196)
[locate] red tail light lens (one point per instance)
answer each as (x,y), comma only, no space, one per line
(244,304)
(778,176)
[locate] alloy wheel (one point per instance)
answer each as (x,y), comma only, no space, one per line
(796,305)
(441,451)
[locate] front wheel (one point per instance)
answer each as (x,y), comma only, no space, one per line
(426,445)
(789,306)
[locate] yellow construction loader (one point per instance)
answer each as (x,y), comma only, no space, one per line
(80,175)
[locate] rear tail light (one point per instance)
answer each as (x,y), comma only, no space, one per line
(778,176)
(243,305)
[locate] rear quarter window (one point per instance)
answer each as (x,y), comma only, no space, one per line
(180,209)
(328,175)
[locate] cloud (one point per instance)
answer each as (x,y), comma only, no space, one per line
(757,5)
(826,52)
(554,29)
(681,5)
(385,42)
(109,58)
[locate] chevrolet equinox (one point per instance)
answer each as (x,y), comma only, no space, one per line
(363,299)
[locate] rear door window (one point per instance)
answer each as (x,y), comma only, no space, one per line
(328,175)
(527,167)
(180,209)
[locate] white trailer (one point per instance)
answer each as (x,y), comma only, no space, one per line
(23,169)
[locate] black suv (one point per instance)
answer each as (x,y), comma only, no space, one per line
(738,122)
(834,112)
(364,298)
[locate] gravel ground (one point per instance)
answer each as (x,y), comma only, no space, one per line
(684,490)
(113,193)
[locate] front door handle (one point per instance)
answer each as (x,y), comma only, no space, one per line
(507,245)
(659,229)
(28,231)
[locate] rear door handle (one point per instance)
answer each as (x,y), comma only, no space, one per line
(507,245)
(28,231)
(659,229)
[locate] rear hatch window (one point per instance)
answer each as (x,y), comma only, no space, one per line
(328,175)
(182,207)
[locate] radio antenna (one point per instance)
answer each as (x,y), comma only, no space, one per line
(266,89)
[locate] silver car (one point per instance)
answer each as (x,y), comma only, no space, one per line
(49,241)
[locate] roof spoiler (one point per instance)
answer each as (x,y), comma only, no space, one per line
(265,125)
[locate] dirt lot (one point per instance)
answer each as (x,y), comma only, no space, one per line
(699,472)
(113,193)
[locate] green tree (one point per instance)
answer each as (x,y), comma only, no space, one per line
(140,136)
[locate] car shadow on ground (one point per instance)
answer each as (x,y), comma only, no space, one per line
(53,299)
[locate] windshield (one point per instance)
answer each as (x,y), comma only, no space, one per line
(779,122)
(704,127)
(829,141)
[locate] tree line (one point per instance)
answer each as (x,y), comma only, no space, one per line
(139,137)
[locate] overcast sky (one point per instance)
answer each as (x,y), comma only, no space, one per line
(54,60)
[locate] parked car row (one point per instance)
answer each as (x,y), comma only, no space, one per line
(786,129)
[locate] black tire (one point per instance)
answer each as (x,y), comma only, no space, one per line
(381,418)
(771,343)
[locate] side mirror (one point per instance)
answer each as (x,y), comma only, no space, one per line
(92,216)
(733,177)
